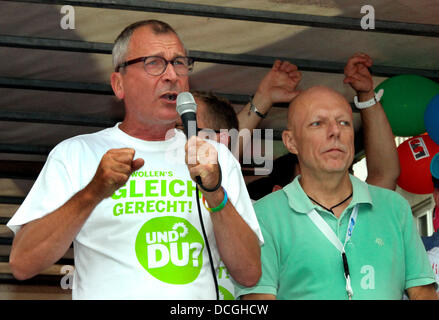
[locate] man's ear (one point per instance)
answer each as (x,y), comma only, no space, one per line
(289,141)
(117,85)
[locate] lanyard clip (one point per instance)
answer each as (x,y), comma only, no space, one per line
(349,290)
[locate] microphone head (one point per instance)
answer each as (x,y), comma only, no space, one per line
(186,103)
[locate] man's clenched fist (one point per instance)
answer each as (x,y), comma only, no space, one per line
(113,171)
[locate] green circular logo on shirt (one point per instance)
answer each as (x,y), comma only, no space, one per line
(170,249)
(225,294)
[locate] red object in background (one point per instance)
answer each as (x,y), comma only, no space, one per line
(436,218)
(415,156)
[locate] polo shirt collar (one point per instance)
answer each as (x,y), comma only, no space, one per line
(299,201)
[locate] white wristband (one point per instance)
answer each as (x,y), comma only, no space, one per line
(369,103)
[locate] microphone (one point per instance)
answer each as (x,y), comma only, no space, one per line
(187,108)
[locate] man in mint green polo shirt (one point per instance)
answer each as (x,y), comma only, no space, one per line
(329,235)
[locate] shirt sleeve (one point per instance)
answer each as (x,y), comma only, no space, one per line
(418,271)
(51,190)
(269,281)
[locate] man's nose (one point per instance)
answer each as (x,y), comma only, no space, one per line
(334,129)
(170,73)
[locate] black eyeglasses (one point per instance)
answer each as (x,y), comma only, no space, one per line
(155,65)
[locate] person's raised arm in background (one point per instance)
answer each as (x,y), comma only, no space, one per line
(379,143)
(279,85)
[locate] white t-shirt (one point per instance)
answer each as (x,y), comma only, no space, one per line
(226,285)
(144,242)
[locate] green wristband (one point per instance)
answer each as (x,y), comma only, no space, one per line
(221,205)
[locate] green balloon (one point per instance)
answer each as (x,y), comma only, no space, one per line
(404,101)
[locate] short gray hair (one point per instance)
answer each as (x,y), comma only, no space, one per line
(122,41)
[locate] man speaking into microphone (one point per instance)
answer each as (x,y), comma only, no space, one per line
(139,228)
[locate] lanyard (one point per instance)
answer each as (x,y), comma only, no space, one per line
(330,235)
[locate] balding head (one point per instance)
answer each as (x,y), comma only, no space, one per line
(320,130)
(309,98)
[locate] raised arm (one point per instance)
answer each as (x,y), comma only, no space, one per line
(379,143)
(278,85)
